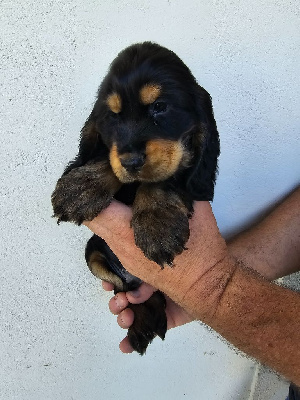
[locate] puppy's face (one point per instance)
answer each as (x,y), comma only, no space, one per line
(146,114)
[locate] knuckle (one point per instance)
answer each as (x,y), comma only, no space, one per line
(118,303)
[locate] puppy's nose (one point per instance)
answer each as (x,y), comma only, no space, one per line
(132,162)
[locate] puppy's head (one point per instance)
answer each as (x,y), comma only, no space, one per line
(151,115)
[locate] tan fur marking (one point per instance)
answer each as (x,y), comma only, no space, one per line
(97,266)
(162,159)
(115,163)
(149,93)
(114,102)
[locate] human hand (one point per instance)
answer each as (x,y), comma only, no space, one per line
(199,275)
(258,317)
(118,304)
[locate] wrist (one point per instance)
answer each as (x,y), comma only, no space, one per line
(198,292)
(205,296)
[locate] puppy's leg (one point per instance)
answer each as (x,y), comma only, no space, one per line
(83,192)
(149,317)
(105,265)
(150,320)
(160,222)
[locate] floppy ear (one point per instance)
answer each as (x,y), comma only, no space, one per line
(90,145)
(206,144)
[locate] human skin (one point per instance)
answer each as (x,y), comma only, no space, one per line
(208,283)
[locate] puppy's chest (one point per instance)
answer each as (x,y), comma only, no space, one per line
(127,193)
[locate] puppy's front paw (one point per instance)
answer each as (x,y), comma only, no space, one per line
(161,232)
(150,320)
(83,192)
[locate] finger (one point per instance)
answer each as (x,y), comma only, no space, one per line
(107,286)
(125,318)
(118,303)
(176,316)
(125,346)
(141,294)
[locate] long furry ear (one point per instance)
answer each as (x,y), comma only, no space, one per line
(90,145)
(206,144)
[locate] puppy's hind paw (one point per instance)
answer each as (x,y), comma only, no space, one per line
(150,320)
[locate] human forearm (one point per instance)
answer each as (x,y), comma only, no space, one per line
(260,318)
(263,320)
(272,246)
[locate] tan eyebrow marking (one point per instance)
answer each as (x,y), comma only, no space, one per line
(114,102)
(149,93)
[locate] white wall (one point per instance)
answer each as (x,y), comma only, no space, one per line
(58,340)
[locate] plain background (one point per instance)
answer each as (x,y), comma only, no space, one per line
(58,339)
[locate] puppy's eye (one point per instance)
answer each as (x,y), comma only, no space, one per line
(159,107)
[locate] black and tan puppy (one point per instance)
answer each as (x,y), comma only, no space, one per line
(150,141)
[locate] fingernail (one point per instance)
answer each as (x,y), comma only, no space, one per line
(118,302)
(135,293)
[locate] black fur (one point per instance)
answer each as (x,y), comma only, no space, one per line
(180,118)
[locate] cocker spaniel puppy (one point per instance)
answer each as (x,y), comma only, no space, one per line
(151,141)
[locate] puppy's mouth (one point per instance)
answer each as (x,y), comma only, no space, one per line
(160,160)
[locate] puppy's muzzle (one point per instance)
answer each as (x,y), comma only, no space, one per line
(132,162)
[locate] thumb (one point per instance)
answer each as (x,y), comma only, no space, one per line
(140,295)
